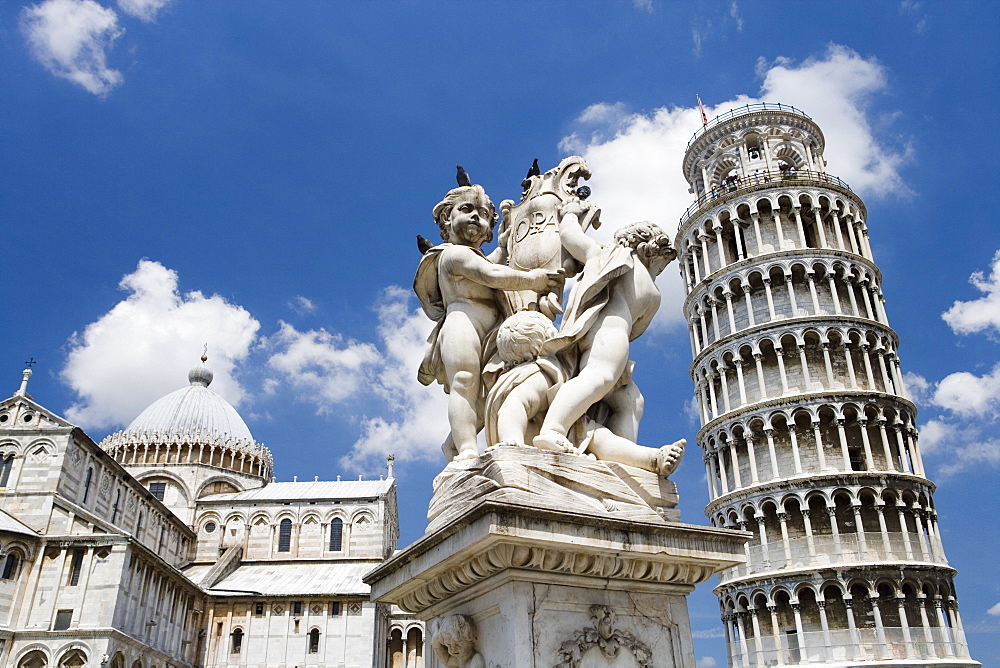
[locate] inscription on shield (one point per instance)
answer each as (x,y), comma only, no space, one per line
(534,240)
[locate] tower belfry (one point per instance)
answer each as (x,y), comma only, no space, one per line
(806,430)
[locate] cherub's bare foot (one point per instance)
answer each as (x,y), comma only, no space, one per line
(553,441)
(466,455)
(668,458)
(506,444)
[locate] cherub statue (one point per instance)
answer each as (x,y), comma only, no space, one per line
(611,305)
(455,283)
(520,397)
(454,642)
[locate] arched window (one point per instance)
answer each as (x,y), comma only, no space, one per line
(6,464)
(34,659)
(336,535)
(86,483)
(10,566)
(75,658)
(314,641)
(285,536)
(237,641)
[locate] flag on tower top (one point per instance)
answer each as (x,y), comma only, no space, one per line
(701,108)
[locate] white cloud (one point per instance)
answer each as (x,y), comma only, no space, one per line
(324,367)
(302,305)
(915,10)
(634,156)
(969,395)
(962,436)
(71,39)
(416,421)
(329,370)
(933,435)
(706,662)
(643,5)
(142,348)
(716,632)
(918,388)
(734,13)
(144,10)
(995,610)
(981,314)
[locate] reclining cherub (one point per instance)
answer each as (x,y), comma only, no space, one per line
(518,401)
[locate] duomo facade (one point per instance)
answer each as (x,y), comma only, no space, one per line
(167,545)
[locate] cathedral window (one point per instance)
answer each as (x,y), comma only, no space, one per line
(10,567)
(258,609)
(285,536)
(334,608)
(157,489)
(314,641)
(297,608)
(5,468)
(76,565)
(237,641)
(63,619)
(114,508)
(86,483)
(336,535)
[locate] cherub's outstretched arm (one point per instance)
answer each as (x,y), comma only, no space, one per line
(478,269)
(571,234)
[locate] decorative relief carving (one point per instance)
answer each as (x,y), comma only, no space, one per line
(606,638)
(455,642)
(535,558)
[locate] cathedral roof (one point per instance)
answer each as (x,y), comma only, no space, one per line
(312,490)
(284,578)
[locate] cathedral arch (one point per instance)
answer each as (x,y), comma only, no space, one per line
(218,485)
(33,656)
(169,477)
(72,658)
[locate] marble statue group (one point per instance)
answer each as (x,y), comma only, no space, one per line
(506,365)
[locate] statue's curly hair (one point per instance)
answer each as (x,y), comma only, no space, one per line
(520,337)
(442,210)
(647,239)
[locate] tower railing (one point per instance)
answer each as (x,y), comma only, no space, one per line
(742,111)
(737,184)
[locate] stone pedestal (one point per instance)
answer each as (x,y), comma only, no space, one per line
(559,561)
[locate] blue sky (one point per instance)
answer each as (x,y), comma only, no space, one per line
(253,174)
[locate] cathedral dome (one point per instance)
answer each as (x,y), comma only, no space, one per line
(194,412)
(192,425)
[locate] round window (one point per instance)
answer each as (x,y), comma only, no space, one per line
(27,417)
(4,417)
(210,527)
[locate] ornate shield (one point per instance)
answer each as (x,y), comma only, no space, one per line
(530,231)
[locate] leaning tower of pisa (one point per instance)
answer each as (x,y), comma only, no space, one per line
(806,431)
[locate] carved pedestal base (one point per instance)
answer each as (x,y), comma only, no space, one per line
(574,583)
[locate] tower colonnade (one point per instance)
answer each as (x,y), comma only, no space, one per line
(807,435)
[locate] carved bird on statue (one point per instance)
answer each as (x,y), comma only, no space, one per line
(462,176)
(423,245)
(533,170)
